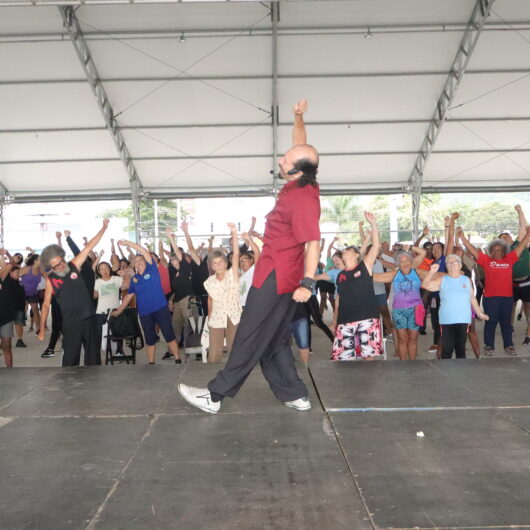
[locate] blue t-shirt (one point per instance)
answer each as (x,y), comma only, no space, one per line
(455,300)
(333,274)
(148,290)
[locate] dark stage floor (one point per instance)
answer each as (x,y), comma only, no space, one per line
(117,448)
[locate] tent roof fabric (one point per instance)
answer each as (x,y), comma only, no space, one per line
(192,88)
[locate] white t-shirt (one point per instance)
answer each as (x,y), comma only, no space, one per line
(245,283)
(108,293)
(379,288)
(388,258)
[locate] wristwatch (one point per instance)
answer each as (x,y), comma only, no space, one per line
(308,283)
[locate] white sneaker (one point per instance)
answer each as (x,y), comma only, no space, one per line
(199,397)
(299,404)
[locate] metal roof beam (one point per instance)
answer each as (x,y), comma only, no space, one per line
(480,13)
(275,19)
(33,130)
(264,77)
(85,57)
(258,155)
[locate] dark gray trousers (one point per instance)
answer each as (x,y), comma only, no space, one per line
(263,335)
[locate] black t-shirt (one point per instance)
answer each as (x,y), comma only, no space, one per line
(357,299)
(199,274)
(180,280)
(7,311)
(16,293)
(72,295)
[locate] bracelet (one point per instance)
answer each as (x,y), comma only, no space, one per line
(308,283)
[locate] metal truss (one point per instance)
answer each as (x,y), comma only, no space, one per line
(467,45)
(89,67)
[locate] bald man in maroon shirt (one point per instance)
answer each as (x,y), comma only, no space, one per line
(291,239)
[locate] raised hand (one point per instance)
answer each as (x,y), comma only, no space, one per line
(447,220)
(518,208)
(58,235)
(455,215)
(435,267)
(184,226)
(105,226)
(370,217)
(426,230)
(300,108)
(67,233)
(232,226)
(101,252)
(459,231)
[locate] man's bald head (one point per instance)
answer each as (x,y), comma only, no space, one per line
(304,151)
(300,163)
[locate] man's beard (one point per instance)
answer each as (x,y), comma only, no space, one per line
(64,272)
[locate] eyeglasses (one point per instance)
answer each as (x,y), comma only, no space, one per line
(58,266)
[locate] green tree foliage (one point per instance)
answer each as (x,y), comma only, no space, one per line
(167,216)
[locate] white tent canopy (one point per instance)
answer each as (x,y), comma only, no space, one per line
(192,87)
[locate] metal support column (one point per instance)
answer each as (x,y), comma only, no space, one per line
(478,18)
(4,199)
(275,17)
(81,47)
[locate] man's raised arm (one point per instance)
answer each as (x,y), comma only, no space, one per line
(299,134)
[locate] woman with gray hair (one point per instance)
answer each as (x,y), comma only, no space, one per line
(498,291)
(456,300)
(407,305)
(224,306)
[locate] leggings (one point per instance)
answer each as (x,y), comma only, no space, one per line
(454,339)
(435,319)
(314,311)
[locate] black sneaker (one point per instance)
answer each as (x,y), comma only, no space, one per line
(526,341)
(20,344)
(198,356)
(167,356)
(48,353)
(178,361)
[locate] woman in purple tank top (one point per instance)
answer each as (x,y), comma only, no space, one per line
(30,277)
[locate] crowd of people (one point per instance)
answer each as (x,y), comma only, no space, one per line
(376,293)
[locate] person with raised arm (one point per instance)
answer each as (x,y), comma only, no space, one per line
(199,269)
(498,291)
(75,300)
(456,301)
(521,271)
(247,265)
(151,302)
(291,238)
(224,306)
(7,309)
(356,319)
(181,287)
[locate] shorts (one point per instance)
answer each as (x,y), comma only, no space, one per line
(162,317)
(300,331)
(358,340)
(6,331)
(405,318)
(20,317)
(325,287)
(33,299)
(521,290)
(381,299)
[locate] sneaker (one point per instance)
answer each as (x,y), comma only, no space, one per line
(20,344)
(199,397)
(178,361)
(48,353)
(423,332)
(299,404)
(198,356)
(510,350)
(488,350)
(526,341)
(167,356)
(433,349)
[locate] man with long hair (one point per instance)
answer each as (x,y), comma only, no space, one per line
(292,236)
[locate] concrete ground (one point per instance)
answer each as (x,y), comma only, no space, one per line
(31,356)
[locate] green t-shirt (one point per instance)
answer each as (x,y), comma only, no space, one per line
(522,268)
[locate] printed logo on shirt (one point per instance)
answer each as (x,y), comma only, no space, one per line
(135,280)
(495,265)
(357,274)
(342,278)
(73,276)
(56,282)
(147,276)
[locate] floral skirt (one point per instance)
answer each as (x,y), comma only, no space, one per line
(358,340)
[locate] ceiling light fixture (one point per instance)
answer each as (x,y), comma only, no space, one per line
(368,34)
